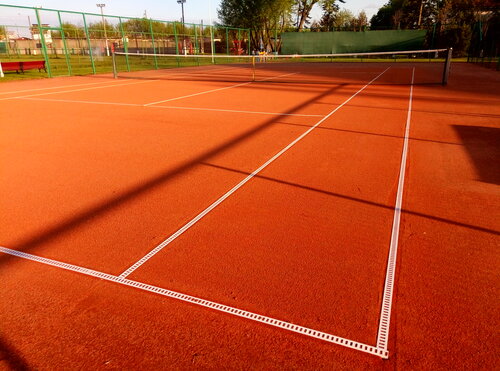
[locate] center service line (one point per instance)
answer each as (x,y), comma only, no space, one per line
(193,221)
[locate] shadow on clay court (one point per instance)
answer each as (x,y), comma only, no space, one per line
(483,146)
(30,243)
(11,358)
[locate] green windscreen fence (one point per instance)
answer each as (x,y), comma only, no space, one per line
(351,42)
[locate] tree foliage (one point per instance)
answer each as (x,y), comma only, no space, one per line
(449,22)
(263,17)
(330,9)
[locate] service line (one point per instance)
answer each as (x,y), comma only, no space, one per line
(193,221)
(219,89)
(173,107)
(202,302)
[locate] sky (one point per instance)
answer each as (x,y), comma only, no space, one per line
(195,10)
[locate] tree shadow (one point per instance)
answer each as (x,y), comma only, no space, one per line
(357,199)
(31,242)
(11,358)
(483,146)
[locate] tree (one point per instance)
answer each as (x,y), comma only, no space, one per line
(449,22)
(383,19)
(304,8)
(330,9)
(3,33)
(263,17)
(96,30)
(70,31)
(344,20)
(362,20)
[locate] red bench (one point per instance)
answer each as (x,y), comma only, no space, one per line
(24,66)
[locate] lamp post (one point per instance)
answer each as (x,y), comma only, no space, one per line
(100,6)
(183,28)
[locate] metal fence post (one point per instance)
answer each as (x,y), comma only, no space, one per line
(63,37)
(88,43)
(153,42)
(42,42)
(249,33)
(125,44)
(176,40)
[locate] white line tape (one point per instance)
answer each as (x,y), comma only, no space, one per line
(73,90)
(204,303)
(193,221)
(238,111)
(385,316)
(219,89)
(172,107)
(59,87)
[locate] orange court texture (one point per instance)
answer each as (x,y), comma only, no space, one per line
(300,181)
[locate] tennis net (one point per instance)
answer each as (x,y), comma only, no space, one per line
(427,66)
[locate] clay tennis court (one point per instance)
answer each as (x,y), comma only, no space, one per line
(170,219)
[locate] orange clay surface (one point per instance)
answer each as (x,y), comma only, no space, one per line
(92,177)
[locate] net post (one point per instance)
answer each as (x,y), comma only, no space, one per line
(447,66)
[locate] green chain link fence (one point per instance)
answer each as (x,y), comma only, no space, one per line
(77,43)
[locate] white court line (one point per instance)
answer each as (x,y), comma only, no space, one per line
(73,90)
(173,107)
(204,303)
(385,316)
(193,221)
(204,72)
(219,89)
(58,87)
(85,102)
(177,73)
(237,111)
(195,94)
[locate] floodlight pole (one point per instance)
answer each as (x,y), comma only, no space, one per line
(100,6)
(183,26)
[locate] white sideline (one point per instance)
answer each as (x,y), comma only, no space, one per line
(385,316)
(193,221)
(202,302)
